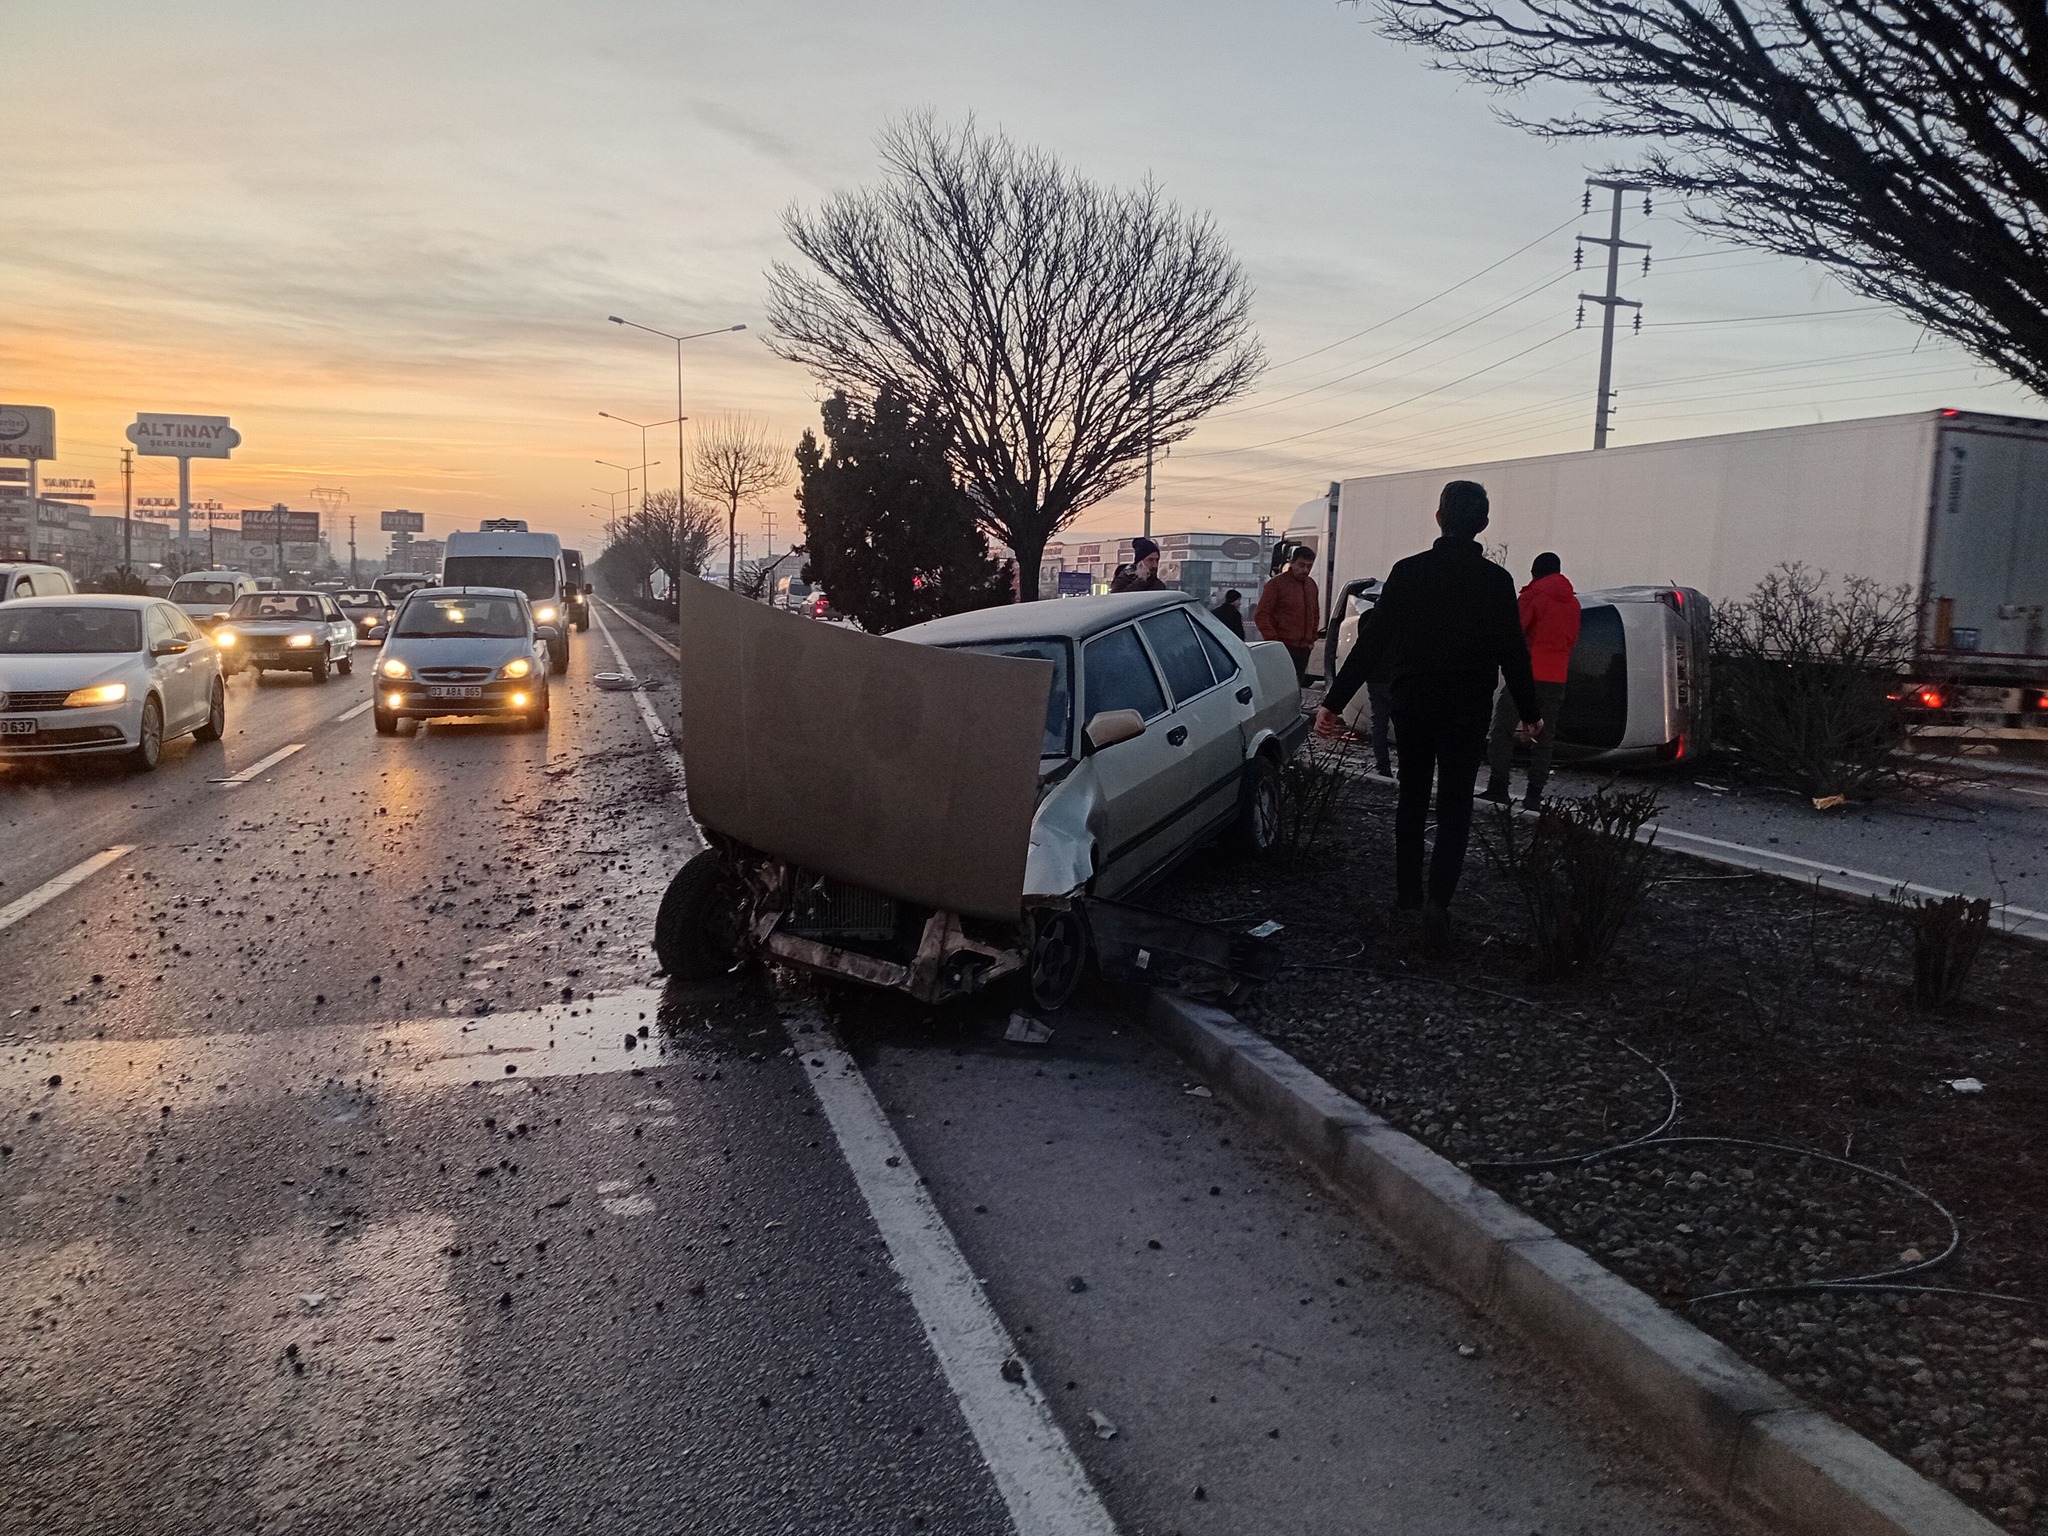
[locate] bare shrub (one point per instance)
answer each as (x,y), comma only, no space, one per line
(1945,934)
(1313,783)
(1804,673)
(1580,867)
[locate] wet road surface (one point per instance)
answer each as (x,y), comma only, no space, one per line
(357,1175)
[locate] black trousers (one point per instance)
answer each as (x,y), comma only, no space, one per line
(1443,738)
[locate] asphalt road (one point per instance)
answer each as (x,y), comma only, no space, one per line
(340,1188)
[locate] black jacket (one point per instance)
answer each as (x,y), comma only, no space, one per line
(1131,581)
(1231,617)
(1446,625)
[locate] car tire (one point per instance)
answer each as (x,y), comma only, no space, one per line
(319,668)
(148,750)
(1262,808)
(346,666)
(583,625)
(1056,958)
(700,929)
(558,658)
(215,725)
(385,721)
(536,718)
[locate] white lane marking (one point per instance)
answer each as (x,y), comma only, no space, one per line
(350,714)
(1041,1480)
(51,889)
(655,728)
(2019,920)
(235,780)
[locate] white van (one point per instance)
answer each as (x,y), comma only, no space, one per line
(205,597)
(26,580)
(503,553)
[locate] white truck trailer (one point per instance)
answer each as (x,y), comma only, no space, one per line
(1951,504)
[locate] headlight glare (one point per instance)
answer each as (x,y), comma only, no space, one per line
(299,642)
(518,666)
(100,693)
(391,666)
(226,637)
(545,614)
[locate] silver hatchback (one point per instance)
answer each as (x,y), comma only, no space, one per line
(463,651)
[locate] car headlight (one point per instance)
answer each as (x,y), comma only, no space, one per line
(226,637)
(518,666)
(545,614)
(99,693)
(391,666)
(299,642)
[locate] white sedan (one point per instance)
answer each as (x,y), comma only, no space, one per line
(113,674)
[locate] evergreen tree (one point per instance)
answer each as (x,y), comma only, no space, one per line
(888,532)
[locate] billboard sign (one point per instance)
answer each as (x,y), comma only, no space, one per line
(281,524)
(165,509)
(1239,548)
(402,521)
(28,432)
(183,437)
(68,488)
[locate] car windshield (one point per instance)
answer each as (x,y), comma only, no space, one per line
(1059,703)
(222,592)
(28,631)
(276,605)
(532,574)
(435,618)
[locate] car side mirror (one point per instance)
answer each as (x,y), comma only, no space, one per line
(546,632)
(170,648)
(1112,726)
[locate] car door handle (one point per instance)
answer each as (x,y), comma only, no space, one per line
(1244,694)
(1177,736)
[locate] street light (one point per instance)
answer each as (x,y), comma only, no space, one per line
(643,426)
(678,340)
(627,471)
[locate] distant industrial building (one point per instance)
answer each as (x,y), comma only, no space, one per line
(1203,564)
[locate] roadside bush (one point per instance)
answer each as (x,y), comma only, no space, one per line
(1803,676)
(125,582)
(1580,867)
(1313,784)
(1945,934)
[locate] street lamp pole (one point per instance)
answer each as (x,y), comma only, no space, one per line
(681,491)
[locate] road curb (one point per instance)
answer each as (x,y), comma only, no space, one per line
(1726,1425)
(667,646)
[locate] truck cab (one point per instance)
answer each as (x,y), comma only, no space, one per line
(503,552)
(576,599)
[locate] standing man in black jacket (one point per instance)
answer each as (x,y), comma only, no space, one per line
(1445,628)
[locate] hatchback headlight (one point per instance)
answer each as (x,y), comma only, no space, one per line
(226,637)
(100,693)
(299,642)
(391,666)
(518,666)
(545,614)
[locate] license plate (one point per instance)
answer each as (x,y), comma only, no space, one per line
(17,727)
(454,693)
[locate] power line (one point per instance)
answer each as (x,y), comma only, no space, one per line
(1812,314)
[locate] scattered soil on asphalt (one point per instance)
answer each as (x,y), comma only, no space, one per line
(1743,1008)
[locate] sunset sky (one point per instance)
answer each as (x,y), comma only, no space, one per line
(384,238)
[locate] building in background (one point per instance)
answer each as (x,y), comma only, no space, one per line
(1203,564)
(412,553)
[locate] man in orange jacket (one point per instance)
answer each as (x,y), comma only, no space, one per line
(1550,623)
(1290,610)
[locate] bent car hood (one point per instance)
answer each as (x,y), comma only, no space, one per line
(904,768)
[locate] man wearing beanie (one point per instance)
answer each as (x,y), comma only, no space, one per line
(1445,629)
(1143,575)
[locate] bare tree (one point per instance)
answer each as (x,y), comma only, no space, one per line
(735,463)
(675,544)
(1057,328)
(1903,143)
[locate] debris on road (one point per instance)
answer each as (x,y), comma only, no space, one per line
(1265,930)
(1105,1428)
(1198,1092)
(626,682)
(1025,1030)
(1966,1085)
(314,1300)
(1013,1371)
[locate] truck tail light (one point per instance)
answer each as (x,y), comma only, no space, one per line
(1672,598)
(1929,697)
(1673,750)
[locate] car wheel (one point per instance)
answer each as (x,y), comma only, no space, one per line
(1262,808)
(537,717)
(148,750)
(216,724)
(1059,954)
(700,929)
(346,666)
(385,721)
(583,624)
(319,668)
(558,657)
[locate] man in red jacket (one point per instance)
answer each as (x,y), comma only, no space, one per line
(1290,610)
(1550,623)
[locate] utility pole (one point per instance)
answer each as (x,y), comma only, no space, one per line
(128,510)
(351,549)
(1149,431)
(1611,300)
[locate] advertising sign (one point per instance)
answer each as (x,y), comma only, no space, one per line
(165,509)
(28,432)
(281,523)
(402,521)
(1240,548)
(68,488)
(183,437)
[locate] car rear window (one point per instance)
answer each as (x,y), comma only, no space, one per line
(222,592)
(1180,654)
(277,605)
(69,631)
(1119,675)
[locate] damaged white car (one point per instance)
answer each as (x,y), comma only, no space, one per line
(934,810)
